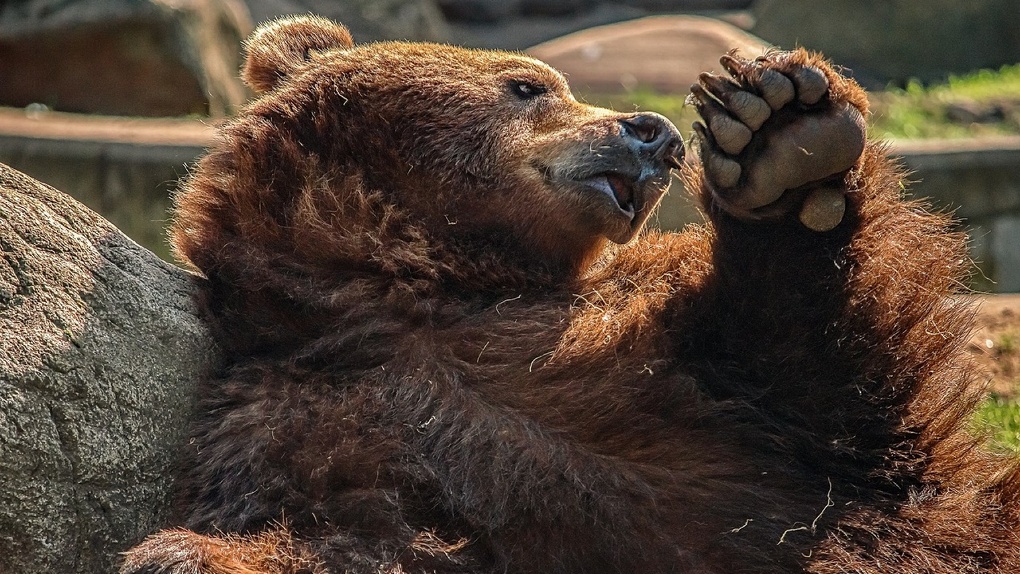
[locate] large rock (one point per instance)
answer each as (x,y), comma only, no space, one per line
(100,347)
(685,5)
(504,32)
(665,53)
(894,40)
(368,20)
(497,10)
(518,24)
(123,57)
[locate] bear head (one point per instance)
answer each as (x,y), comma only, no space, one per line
(393,157)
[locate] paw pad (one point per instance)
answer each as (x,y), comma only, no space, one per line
(772,127)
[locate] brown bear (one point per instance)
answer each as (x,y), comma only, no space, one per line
(450,347)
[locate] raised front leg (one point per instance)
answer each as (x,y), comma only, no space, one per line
(825,282)
(827,318)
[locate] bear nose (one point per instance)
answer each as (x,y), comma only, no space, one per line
(652,134)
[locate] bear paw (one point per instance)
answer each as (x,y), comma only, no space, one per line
(776,139)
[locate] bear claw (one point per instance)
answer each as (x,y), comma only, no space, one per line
(810,84)
(749,108)
(730,134)
(725,171)
(776,89)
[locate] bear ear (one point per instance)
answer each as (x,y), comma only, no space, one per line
(276,49)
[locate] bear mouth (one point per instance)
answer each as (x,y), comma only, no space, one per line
(620,189)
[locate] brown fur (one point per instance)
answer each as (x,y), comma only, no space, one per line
(433,365)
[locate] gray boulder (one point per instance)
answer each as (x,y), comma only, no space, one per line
(100,348)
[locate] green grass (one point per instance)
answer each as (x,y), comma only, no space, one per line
(1006,343)
(984,84)
(985,102)
(1000,418)
(981,103)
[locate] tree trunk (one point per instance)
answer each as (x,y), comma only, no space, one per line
(100,348)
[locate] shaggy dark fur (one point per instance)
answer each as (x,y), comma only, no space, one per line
(437,363)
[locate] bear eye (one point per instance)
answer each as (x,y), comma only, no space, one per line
(527,90)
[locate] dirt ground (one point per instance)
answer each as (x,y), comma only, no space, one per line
(996,342)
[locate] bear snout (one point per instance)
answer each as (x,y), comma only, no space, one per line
(651,135)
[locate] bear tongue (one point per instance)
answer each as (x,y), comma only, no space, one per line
(615,187)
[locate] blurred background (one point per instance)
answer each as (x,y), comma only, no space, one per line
(112,100)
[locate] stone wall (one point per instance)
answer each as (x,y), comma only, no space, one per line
(125,169)
(979,180)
